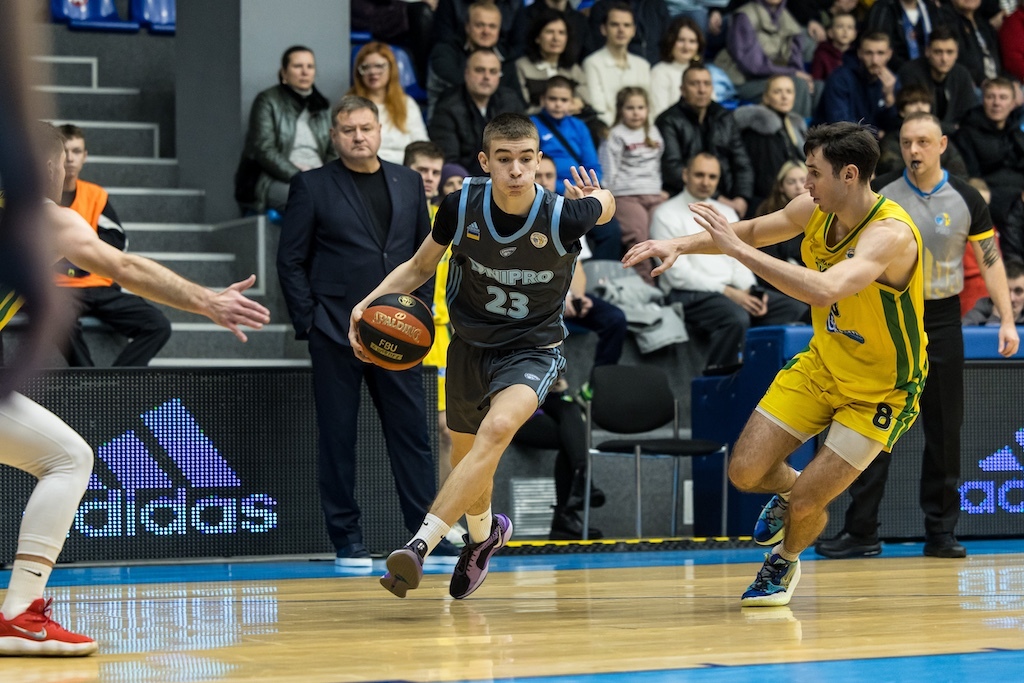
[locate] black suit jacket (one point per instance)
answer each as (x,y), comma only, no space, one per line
(330,257)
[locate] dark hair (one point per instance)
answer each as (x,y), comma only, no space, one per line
(877,37)
(540,22)
(559,82)
(696,66)
(703,155)
(619,6)
(997,82)
(509,126)
(477,50)
(943,32)
(844,143)
(914,94)
(1014,268)
(287,56)
(351,103)
(671,34)
(422,148)
(70,130)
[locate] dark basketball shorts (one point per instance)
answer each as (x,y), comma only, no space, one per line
(475,375)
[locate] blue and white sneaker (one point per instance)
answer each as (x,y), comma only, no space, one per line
(774,584)
(770,527)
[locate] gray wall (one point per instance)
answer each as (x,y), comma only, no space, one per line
(227,52)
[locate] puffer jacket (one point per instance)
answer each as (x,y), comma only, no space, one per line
(684,138)
(270,137)
(767,144)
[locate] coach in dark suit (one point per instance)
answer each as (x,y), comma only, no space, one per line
(347,225)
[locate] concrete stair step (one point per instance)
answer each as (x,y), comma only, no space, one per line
(142,204)
(117,104)
(114,171)
(75,71)
(215,270)
(163,237)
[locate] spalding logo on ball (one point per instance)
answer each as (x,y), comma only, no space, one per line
(396,331)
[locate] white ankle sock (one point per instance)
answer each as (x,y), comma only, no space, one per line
(28,580)
(431,532)
(781,551)
(479,526)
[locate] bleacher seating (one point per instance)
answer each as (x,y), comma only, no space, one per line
(159,16)
(90,15)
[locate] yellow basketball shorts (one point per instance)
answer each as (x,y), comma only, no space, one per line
(437,357)
(804,396)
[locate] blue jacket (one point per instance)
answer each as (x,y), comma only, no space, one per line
(577,135)
(852,94)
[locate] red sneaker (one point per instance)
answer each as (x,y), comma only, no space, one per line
(34,633)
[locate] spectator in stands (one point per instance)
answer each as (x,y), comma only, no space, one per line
(452,19)
(649,17)
(789,183)
(546,56)
(911,99)
(716,291)
(613,67)
(979,43)
(289,131)
(409,23)
(818,15)
(864,92)
(908,23)
(696,124)
(763,40)
(985,312)
(1011,42)
(706,15)
(949,82)
(682,45)
(974,284)
(631,160)
(1011,233)
(452,176)
(579,43)
(458,122)
(830,54)
(564,138)
(375,77)
(992,144)
(448,58)
(772,133)
(427,159)
(100,297)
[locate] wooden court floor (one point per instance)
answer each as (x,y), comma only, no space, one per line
(638,616)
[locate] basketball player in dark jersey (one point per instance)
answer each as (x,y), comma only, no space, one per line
(514,247)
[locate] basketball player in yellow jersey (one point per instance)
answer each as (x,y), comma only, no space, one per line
(866,364)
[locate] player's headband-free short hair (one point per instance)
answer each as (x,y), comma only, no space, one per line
(509,126)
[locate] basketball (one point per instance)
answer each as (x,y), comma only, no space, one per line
(396,331)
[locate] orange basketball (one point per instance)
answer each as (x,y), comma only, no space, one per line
(396,331)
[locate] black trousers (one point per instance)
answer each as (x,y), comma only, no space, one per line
(942,413)
(723,324)
(558,425)
(609,322)
(143,323)
(401,404)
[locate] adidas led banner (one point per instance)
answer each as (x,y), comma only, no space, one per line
(991,463)
(204,463)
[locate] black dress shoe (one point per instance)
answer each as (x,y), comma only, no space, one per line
(566,525)
(575,500)
(944,545)
(847,545)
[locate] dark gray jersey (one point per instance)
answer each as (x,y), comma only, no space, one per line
(509,291)
(947,217)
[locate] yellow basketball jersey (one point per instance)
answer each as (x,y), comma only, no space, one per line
(873,341)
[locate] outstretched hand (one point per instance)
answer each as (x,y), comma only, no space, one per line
(230,308)
(583,183)
(663,250)
(717,225)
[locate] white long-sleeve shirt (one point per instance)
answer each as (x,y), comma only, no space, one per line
(605,78)
(392,140)
(697,272)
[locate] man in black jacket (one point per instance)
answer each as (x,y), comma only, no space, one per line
(461,114)
(950,83)
(696,124)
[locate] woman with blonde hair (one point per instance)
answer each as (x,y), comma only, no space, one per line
(375,77)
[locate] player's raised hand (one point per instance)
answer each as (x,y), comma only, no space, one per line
(717,225)
(663,250)
(230,308)
(584,183)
